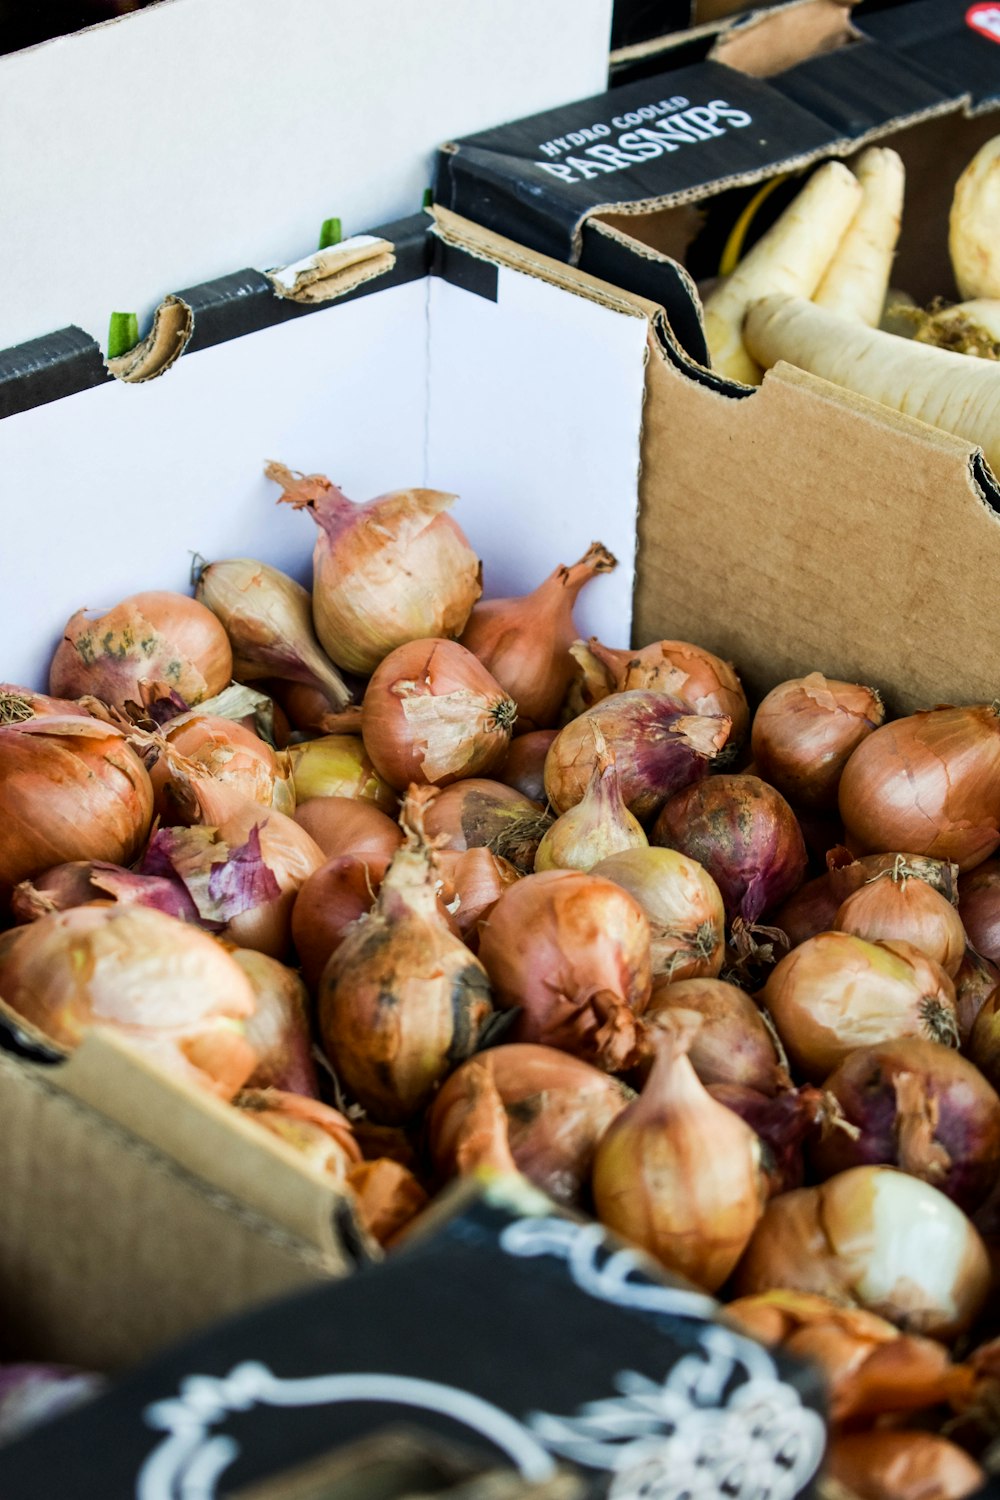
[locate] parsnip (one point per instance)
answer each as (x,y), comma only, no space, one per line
(790,258)
(949,391)
(974,225)
(856,280)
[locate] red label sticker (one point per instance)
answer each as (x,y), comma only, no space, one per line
(985,18)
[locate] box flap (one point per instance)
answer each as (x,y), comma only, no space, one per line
(957,45)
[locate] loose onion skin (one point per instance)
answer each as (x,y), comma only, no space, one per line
(477,813)
(86,880)
(683,905)
(918,1106)
(877,1238)
(744,834)
(804,732)
(732,1045)
(573,952)
(557,1109)
(894,907)
(975,982)
(230,753)
(393,570)
(979,908)
(706,683)
(473,880)
(167,986)
(886,1465)
(660,746)
(70,788)
(524,768)
(927,784)
(157,637)
(349,825)
(432,714)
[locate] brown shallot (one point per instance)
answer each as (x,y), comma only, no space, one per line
(897,905)
(733,1043)
(349,825)
(477,813)
(597,826)
(979,908)
(902,1465)
(524,768)
(804,732)
(683,905)
(706,683)
(279,1030)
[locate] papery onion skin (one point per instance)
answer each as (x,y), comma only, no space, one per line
(348,825)
(393,570)
(878,1238)
(835,992)
(744,834)
(804,732)
(85,880)
(524,768)
(733,1044)
(524,642)
(319,1133)
(402,1001)
(474,880)
(979,908)
(334,896)
(683,905)
(975,982)
(908,1465)
(557,1106)
(920,1106)
(167,986)
(479,813)
(154,637)
(230,753)
(573,952)
(896,906)
(432,714)
(70,788)
(927,784)
(336,765)
(679,1174)
(660,746)
(706,683)
(279,1030)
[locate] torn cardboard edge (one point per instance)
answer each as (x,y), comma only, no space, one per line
(173,325)
(330,273)
(804,18)
(770,42)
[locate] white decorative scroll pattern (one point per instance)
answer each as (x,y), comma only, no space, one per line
(684,1438)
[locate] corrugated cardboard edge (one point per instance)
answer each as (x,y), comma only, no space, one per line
(720,26)
(331,273)
(173,325)
(768,42)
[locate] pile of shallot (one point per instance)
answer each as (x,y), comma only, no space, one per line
(425,886)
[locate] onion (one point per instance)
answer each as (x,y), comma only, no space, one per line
(278,1031)
(70,788)
(268,619)
(679,1174)
(886,1465)
(804,732)
(733,1044)
(525,642)
(782,1125)
(705,683)
(660,746)
(334,896)
(870,1368)
(682,904)
(321,1134)
(308,708)
(168,987)
(86,880)
(479,814)
(878,1238)
(433,714)
(387,1196)
(396,569)
(402,1000)
(230,753)
(813,907)
(927,784)
(983,1046)
(975,982)
(598,826)
(348,825)
(167,641)
(555,1107)
(474,881)
(979,908)
(524,768)
(336,765)
(744,834)
(894,905)
(573,952)
(919,1106)
(836,992)
(19,703)
(266,858)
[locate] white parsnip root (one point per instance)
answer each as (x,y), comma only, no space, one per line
(856,280)
(948,390)
(974,224)
(790,259)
